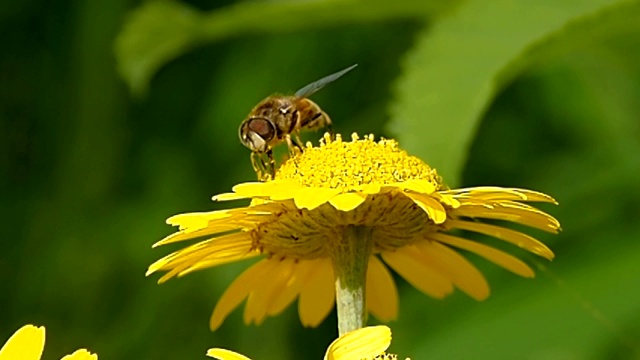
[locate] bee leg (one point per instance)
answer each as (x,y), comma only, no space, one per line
(331,131)
(264,168)
(270,165)
(295,144)
(329,126)
(256,162)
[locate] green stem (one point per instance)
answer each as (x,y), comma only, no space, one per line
(350,260)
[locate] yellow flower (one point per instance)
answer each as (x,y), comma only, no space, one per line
(28,342)
(297,221)
(362,344)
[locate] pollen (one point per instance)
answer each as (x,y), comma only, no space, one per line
(353,165)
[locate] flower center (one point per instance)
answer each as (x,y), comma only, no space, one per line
(350,165)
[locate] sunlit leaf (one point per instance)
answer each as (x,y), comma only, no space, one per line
(160,31)
(460,63)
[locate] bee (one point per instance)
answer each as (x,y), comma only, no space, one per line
(279,119)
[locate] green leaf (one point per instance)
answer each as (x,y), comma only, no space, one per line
(459,65)
(160,31)
(156,32)
(565,314)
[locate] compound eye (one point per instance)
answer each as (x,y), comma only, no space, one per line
(262,127)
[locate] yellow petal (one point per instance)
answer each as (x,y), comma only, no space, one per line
(455,267)
(254,189)
(494,255)
(348,201)
(213,261)
(311,198)
(447,200)
(291,290)
(215,227)
(499,193)
(275,190)
(517,238)
(274,278)
(230,196)
(26,343)
(370,189)
(223,354)
(406,261)
(419,186)
(364,343)
(284,190)
(190,222)
(510,211)
(209,253)
(81,354)
(431,206)
(382,295)
(317,295)
(236,292)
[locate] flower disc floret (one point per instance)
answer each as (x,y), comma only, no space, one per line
(352,166)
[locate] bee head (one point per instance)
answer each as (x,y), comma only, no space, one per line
(256,133)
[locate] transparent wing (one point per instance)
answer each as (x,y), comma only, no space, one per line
(317,85)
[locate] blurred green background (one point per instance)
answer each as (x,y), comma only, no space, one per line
(115,115)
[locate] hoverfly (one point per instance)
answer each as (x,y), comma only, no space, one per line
(279,119)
